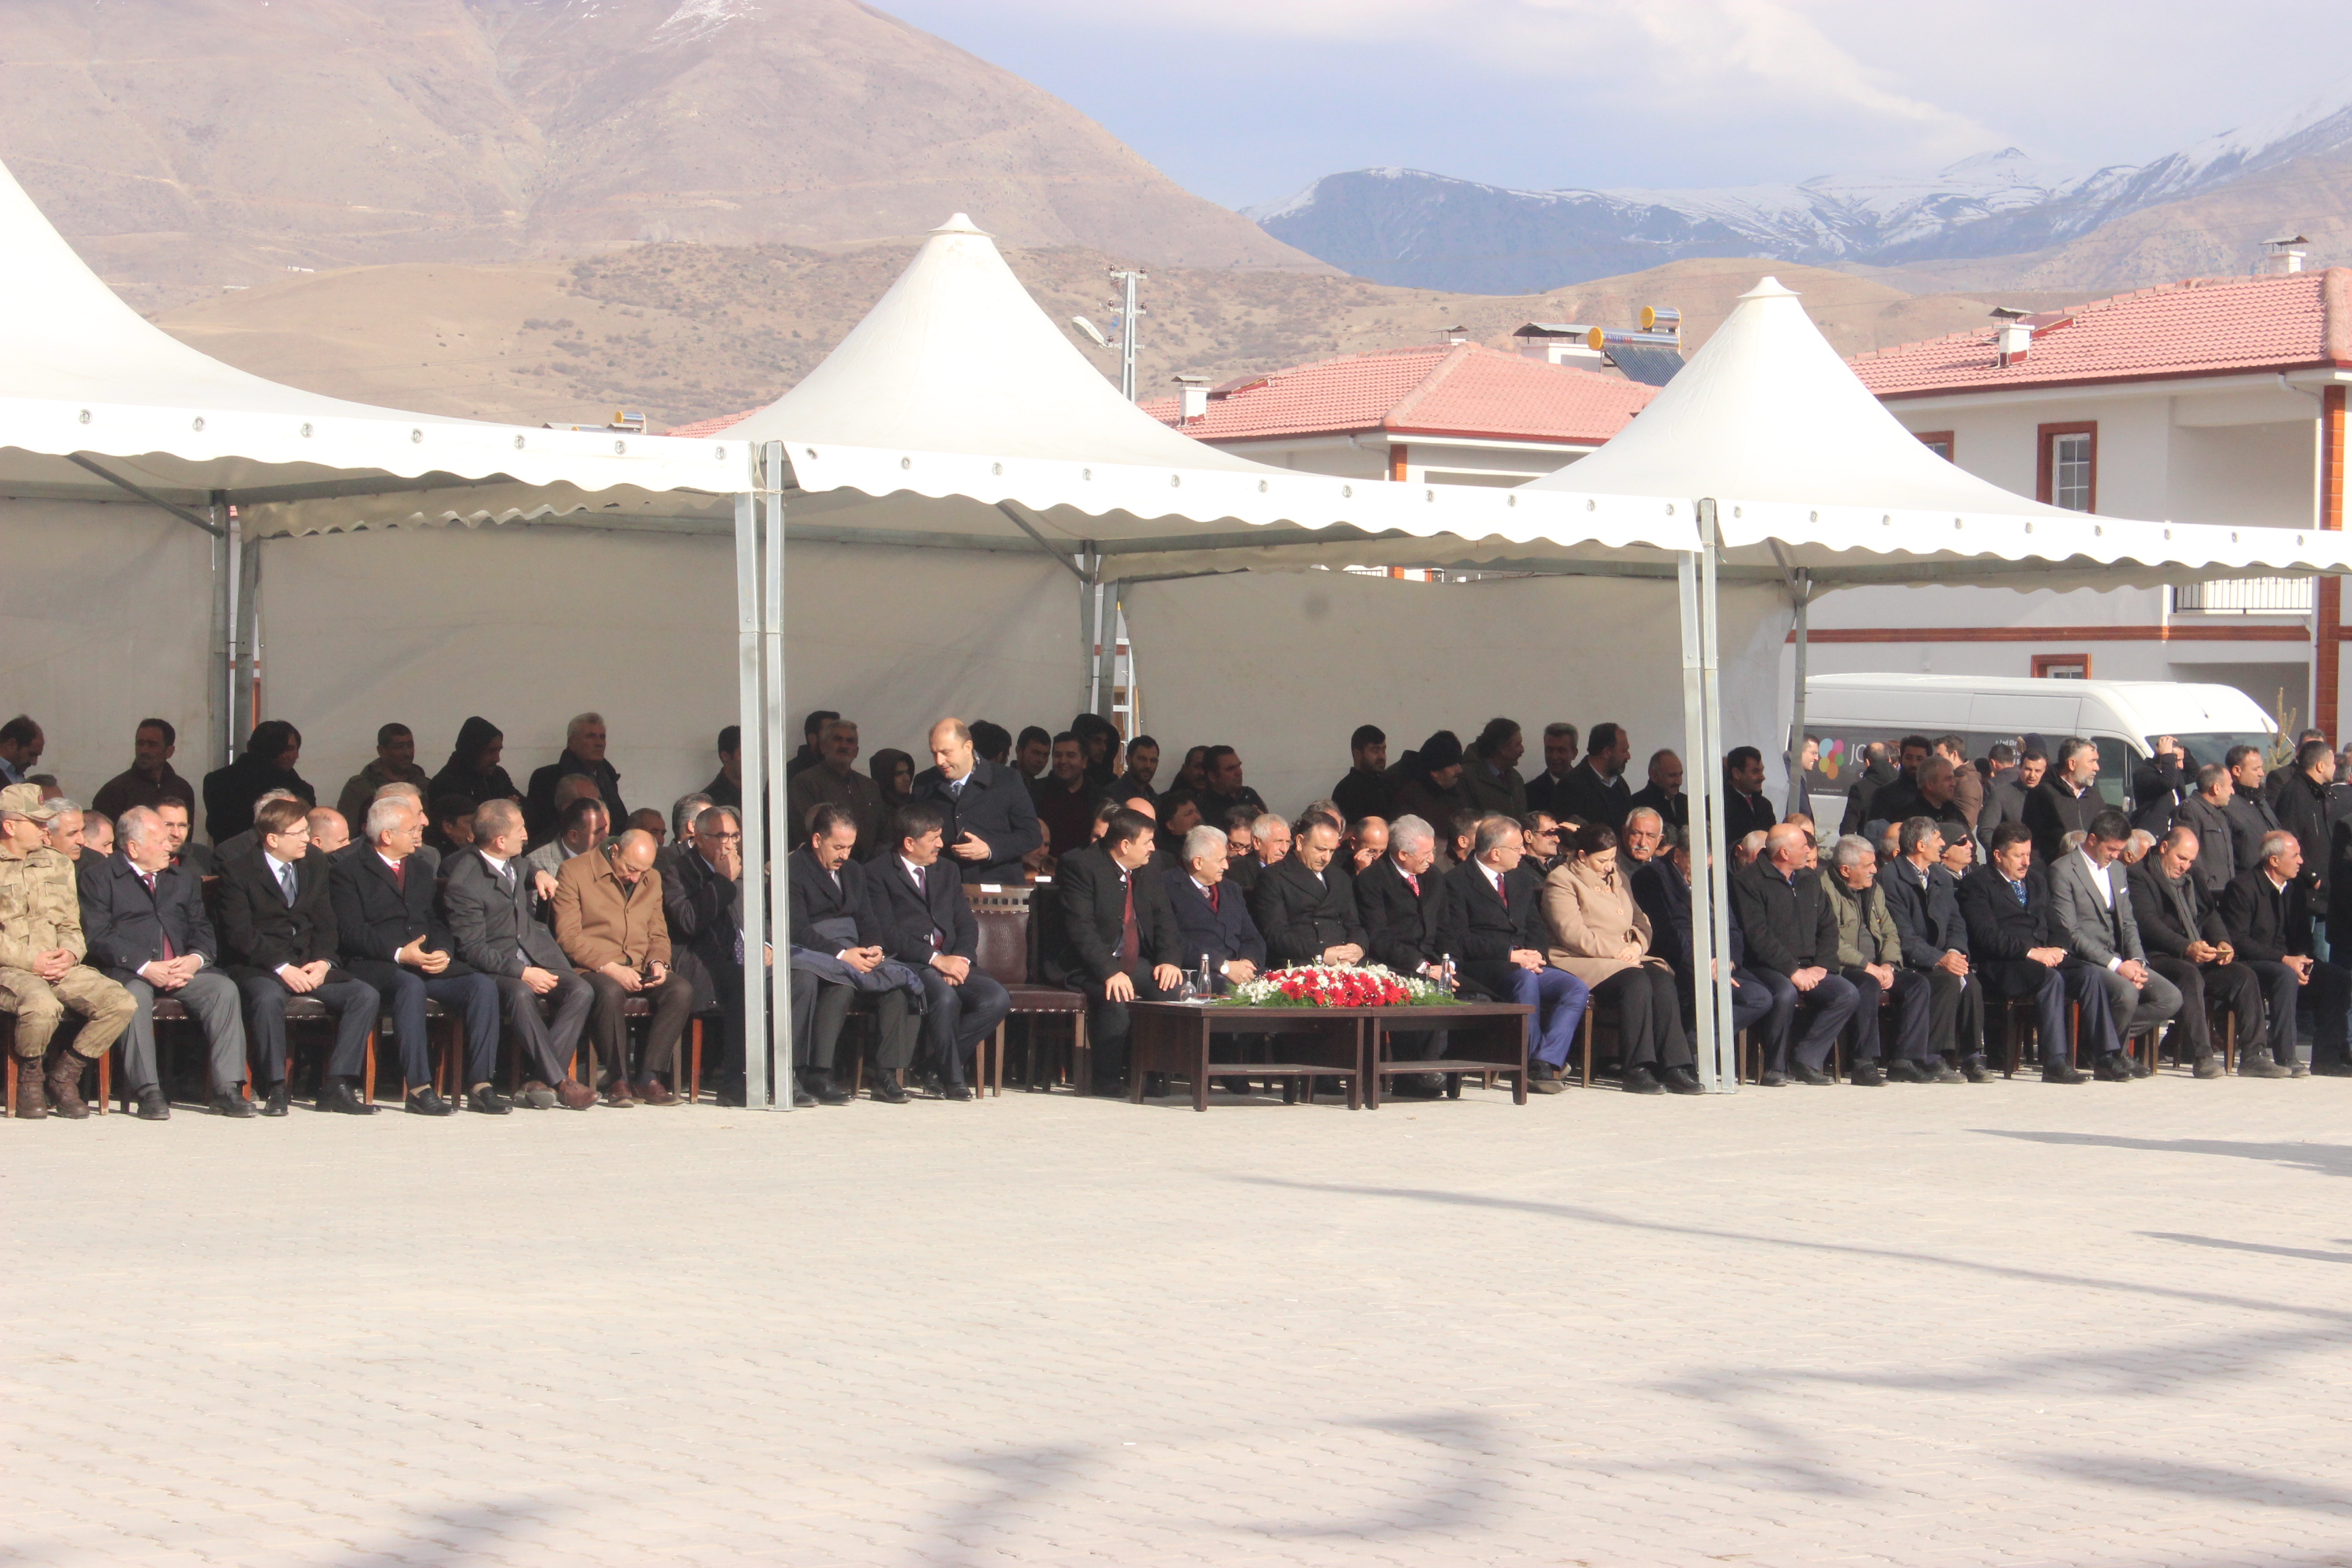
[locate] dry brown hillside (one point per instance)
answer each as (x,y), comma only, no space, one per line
(184,144)
(687,330)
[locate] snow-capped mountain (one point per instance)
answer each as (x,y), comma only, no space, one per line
(1407,226)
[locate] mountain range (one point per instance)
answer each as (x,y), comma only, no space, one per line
(1997,217)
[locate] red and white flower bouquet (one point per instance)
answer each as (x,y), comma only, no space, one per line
(1338,985)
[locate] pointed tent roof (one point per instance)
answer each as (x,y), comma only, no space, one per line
(1808,469)
(82,373)
(956,413)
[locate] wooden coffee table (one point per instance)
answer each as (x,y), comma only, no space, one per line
(1176,1039)
(1481,1038)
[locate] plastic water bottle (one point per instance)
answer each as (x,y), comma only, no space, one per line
(1208,981)
(1445,982)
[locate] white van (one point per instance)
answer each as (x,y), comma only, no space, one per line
(2124,717)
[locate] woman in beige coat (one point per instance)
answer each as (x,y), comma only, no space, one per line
(1599,935)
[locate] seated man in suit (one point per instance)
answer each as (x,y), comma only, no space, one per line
(42,971)
(1662,795)
(702,899)
(838,938)
(1792,948)
(1492,924)
(609,923)
(2264,912)
(991,821)
(2092,901)
(391,938)
(278,940)
(1304,905)
(176,826)
(1870,956)
(928,925)
(1117,939)
(2016,948)
(1924,898)
(1662,887)
(143,919)
(239,843)
(489,907)
(329,834)
(1212,919)
(2185,943)
(1399,898)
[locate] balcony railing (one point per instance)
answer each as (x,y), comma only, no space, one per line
(2244,596)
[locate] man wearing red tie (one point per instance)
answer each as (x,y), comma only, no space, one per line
(1492,924)
(1119,941)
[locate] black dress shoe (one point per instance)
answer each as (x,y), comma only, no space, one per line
(153,1106)
(1867,1076)
(732,1095)
(1640,1080)
(2141,1067)
(1773,1077)
(488,1102)
(886,1089)
(426,1102)
(820,1085)
(232,1102)
(2062,1072)
(1976,1069)
(956,1091)
(1902,1069)
(1544,1078)
(2113,1068)
(274,1102)
(335,1095)
(2208,1066)
(1684,1081)
(1938,1070)
(1241,1086)
(1800,1073)
(801,1098)
(2332,1069)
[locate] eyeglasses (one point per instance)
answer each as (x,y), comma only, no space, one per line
(720,837)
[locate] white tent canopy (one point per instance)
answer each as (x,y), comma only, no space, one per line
(1807,470)
(84,376)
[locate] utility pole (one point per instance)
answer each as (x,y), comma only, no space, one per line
(1127,312)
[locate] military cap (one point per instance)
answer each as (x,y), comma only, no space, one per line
(24,800)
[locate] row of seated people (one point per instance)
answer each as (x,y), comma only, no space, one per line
(2111,944)
(552,947)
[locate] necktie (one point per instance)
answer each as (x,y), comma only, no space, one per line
(1503,892)
(2018,888)
(286,880)
(399,875)
(1414,882)
(955,787)
(1129,940)
(1212,900)
(149,878)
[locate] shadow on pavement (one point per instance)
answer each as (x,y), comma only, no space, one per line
(2326,1159)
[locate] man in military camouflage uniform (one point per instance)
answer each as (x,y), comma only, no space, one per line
(42,975)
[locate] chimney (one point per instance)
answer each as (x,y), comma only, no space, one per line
(1458,334)
(1193,397)
(2013,339)
(2285,255)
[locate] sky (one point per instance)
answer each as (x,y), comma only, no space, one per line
(1246,101)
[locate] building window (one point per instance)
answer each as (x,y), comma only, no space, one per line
(2067,472)
(1937,441)
(2061,667)
(2244,596)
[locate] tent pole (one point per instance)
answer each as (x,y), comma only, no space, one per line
(242,716)
(1803,592)
(1701,791)
(1106,682)
(223,663)
(1718,866)
(780,834)
(749,713)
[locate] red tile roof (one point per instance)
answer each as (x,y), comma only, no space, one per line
(2203,326)
(702,427)
(1463,389)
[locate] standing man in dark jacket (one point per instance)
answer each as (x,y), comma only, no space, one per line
(2161,785)
(2250,817)
(1547,792)
(1596,789)
(2206,813)
(1304,906)
(2015,946)
(143,921)
(929,926)
(2066,801)
(392,938)
(488,902)
(1367,790)
(1793,947)
(1925,900)
(2270,927)
(1117,938)
(2186,944)
(278,940)
(583,753)
(992,822)
(2300,804)
(2005,793)
(1492,922)
(1745,809)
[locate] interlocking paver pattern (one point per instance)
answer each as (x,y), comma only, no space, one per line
(2003,1325)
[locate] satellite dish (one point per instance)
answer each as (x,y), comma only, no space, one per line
(1093,333)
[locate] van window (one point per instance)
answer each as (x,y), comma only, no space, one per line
(2116,761)
(2213,746)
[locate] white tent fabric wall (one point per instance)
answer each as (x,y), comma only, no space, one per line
(528,625)
(109,620)
(1283,667)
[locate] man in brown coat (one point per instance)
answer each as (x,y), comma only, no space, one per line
(609,923)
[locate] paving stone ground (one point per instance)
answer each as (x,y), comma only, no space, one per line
(2013,1323)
